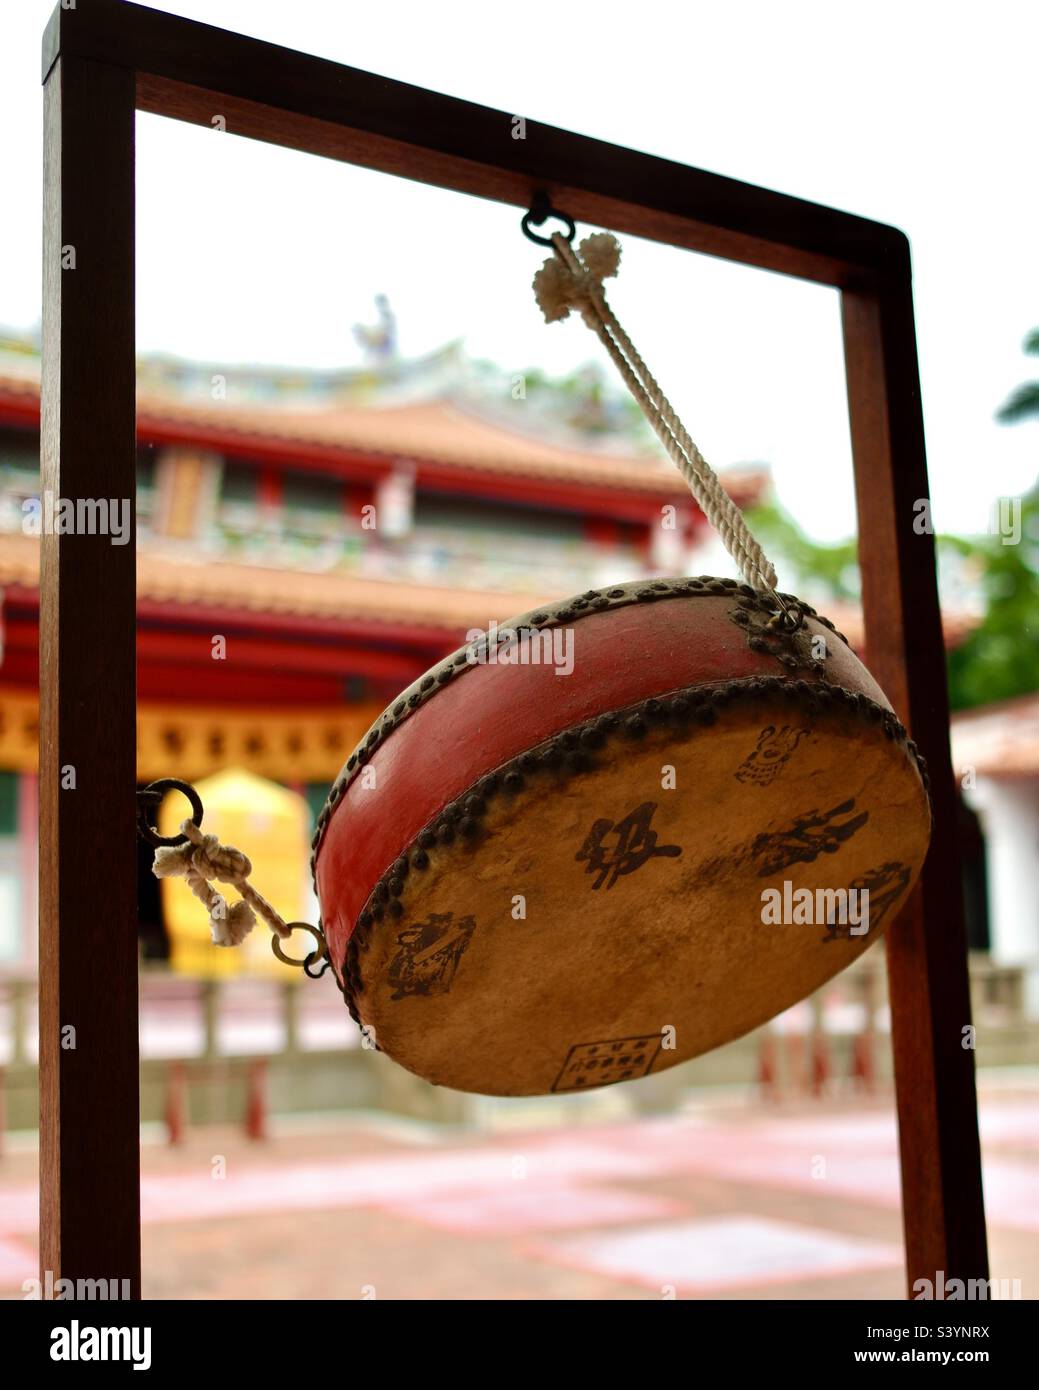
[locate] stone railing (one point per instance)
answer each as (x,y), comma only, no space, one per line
(232,1051)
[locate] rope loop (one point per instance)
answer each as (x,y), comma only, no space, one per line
(201,860)
(572,281)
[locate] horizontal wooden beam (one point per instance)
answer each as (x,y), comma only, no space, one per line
(193,72)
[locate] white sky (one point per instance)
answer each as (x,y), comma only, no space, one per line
(919,114)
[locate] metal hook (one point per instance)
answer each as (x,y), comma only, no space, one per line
(541,210)
(151,795)
(790,617)
(326,964)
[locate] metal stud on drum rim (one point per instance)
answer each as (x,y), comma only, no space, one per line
(496,766)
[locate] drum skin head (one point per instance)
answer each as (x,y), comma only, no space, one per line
(628,889)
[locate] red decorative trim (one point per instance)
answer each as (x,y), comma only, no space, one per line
(595,497)
(491,714)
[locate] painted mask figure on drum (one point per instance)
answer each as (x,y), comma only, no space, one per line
(555,884)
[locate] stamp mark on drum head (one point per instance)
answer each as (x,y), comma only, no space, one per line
(885,886)
(633,843)
(604,1063)
(429,954)
(774,749)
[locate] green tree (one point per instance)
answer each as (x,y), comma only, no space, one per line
(1000,657)
(1023,404)
(811,570)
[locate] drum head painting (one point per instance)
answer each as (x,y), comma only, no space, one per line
(614,835)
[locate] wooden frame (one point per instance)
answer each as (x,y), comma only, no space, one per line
(102,59)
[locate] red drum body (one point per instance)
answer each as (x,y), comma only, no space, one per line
(642,823)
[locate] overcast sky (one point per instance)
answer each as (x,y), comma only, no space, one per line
(918,114)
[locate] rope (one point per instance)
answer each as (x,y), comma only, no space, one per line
(204,859)
(570,281)
(574,281)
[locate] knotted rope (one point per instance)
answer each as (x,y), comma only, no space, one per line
(201,861)
(574,281)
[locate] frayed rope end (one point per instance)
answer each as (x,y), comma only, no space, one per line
(229,926)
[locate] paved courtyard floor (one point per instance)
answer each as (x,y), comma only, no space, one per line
(730,1199)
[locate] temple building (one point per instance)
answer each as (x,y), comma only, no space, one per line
(996,755)
(308,544)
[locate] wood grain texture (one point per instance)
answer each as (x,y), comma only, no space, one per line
(927,948)
(193,71)
(89,1142)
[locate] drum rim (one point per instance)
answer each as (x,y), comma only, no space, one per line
(545,616)
(703,704)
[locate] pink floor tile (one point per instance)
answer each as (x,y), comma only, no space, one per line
(526,1209)
(17,1263)
(720,1253)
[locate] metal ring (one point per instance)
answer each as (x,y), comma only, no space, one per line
(151,795)
(790,618)
(540,211)
(315,932)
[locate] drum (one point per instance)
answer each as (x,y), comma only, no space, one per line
(614,834)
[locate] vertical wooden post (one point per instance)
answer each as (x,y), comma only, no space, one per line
(942,1204)
(89,1096)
